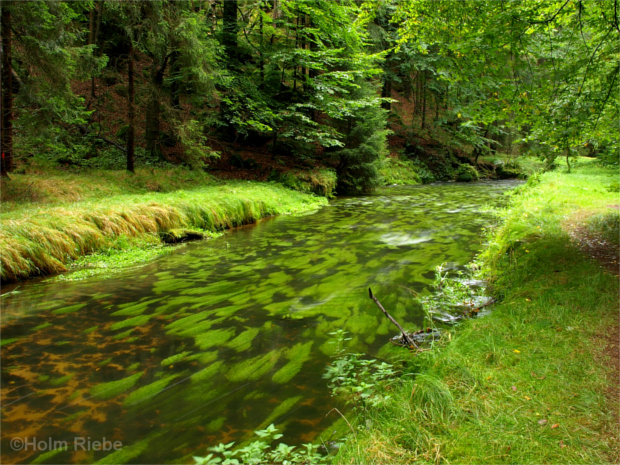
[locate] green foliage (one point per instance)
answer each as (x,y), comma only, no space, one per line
(399,171)
(49,52)
(467,173)
(262,451)
(320,182)
(360,382)
(558,89)
(423,171)
(364,148)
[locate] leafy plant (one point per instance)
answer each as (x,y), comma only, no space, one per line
(262,451)
(359,381)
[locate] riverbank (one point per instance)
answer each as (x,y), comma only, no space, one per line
(536,380)
(60,219)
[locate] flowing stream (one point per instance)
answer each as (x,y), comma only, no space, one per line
(223,337)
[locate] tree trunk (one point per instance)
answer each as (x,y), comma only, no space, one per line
(312,73)
(100,5)
(151,133)
(153,109)
(386,89)
(131,116)
(91,41)
(229,39)
(296,65)
(262,58)
(7,93)
(174,85)
(304,69)
(407,85)
(386,92)
(424,100)
(276,9)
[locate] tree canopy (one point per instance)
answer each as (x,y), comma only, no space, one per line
(312,81)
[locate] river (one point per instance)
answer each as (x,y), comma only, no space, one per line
(226,336)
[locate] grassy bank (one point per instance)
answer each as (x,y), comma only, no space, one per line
(99,212)
(531,381)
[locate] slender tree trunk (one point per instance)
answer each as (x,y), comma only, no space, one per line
(312,73)
(304,69)
(262,58)
(100,6)
(386,89)
(407,85)
(7,93)
(295,65)
(91,41)
(386,92)
(424,100)
(230,29)
(174,85)
(131,116)
(153,109)
(94,28)
(276,9)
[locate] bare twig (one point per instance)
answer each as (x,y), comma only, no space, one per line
(345,419)
(406,338)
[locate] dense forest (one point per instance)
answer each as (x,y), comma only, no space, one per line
(307,90)
(310,231)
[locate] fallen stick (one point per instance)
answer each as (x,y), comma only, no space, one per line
(406,338)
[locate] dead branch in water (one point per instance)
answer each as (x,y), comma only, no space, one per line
(406,337)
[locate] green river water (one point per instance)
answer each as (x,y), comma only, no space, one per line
(224,337)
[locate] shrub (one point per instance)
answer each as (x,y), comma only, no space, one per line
(320,182)
(399,171)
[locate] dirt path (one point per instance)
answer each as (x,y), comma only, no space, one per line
(608,257)
(592,245)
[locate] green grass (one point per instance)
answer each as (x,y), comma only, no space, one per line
(49,185)
(45,239)
(528,382)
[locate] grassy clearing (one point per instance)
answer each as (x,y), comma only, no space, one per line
(45,239)
(527,383)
